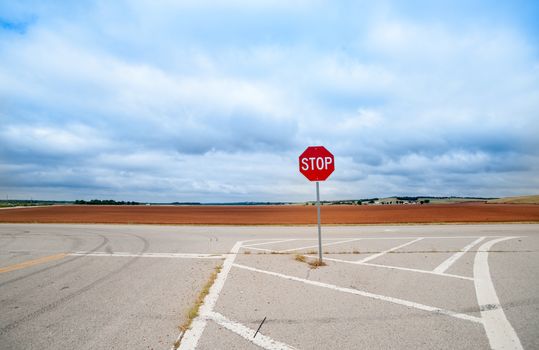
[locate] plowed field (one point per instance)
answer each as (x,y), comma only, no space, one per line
(274,215)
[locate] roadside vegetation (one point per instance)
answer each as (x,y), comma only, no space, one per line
(313,263)
(192,313)
(25,203)
(104,202)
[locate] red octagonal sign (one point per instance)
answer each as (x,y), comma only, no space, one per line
(316,163)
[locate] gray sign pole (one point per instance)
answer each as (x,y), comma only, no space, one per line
(319,229)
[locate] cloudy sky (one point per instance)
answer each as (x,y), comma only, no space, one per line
(214,100)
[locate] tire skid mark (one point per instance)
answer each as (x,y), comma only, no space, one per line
(76,241)
(80,291)
(65,261)
(12,237)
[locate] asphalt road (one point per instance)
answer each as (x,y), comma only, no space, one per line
(129,286)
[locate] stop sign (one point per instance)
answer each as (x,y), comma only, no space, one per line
(316,163)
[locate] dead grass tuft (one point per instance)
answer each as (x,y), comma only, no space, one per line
(300,258)
(316,264)
(313,263)
(192,313)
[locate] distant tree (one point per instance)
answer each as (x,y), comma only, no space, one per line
(105,202)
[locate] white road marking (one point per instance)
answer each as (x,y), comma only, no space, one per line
(263,250)
(341,240)
(453,258)
(395,268)
(429,237)
(344,238)
(367,294)
(248,333)
(299,239)
(151,255)
(374,256)
(270,242)
(500,333)
(193,334)
(316,246)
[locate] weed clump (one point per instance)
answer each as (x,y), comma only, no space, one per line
(313,264)
(192,313)
(316,263)
(300,258)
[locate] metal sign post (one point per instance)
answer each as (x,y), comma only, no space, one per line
(319,227)
(316,163)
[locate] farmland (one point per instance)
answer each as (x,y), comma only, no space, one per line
(275,215)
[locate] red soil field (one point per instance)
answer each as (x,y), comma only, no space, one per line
(274,215)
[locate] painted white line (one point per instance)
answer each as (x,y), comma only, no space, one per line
(375,238)
(395,268)
(270,242)
(151,255)
(374,256)
(342,240)
(367,294)
(425,237)
(316,246)
(453,258)
(500,333)
(193,334)
(248,333)
(393,237)
(311,246)
(262,250)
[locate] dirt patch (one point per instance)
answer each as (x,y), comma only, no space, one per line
(274,215)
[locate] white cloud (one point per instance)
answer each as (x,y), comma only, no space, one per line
(69,140)
(181,101)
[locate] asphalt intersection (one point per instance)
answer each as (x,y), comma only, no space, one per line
(383,287)
(392,291)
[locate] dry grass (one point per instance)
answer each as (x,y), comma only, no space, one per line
(316,264)
(192,313)
(300,258)
(313,264)
(516,200)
